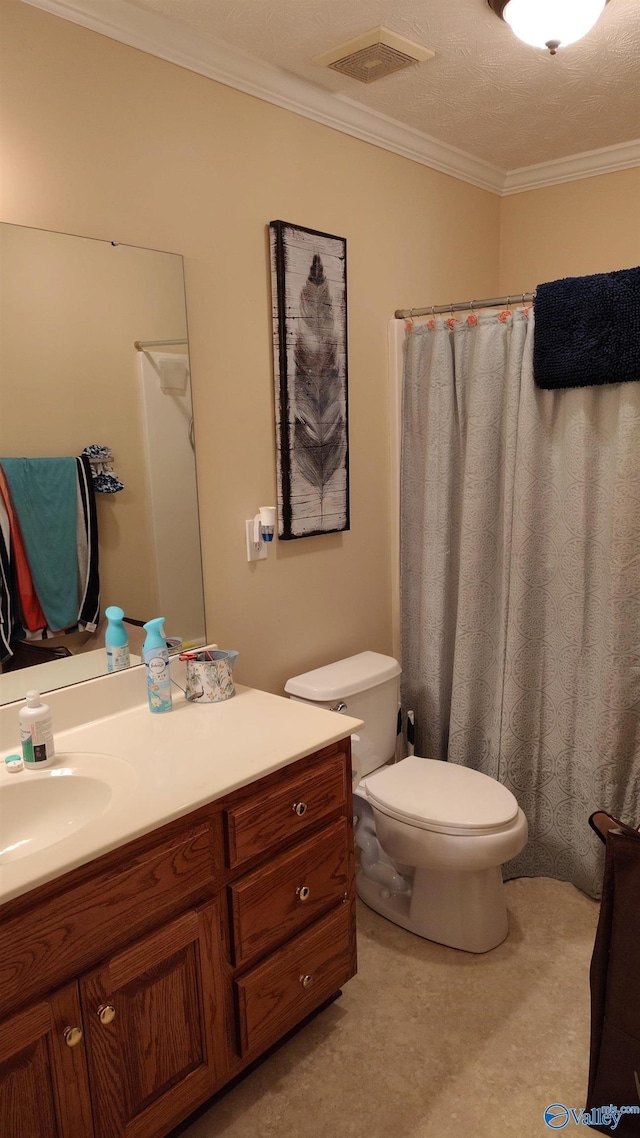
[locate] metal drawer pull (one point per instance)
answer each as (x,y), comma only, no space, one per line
(106,1013)
(303,892)
(299,808)
(72,1036)
(306,981)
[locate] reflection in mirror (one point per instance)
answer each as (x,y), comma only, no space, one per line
(93,353)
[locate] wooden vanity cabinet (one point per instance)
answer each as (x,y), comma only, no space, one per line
(135,987)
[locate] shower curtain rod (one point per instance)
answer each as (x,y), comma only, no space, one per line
(467,306)
(140,345)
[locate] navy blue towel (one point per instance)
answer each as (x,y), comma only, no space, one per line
(587,330)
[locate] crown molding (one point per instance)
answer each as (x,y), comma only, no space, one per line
(175,42)
(590,164)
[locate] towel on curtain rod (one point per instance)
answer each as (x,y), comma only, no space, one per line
(586,330)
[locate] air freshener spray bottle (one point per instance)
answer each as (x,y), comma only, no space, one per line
(156,659)
(116,641)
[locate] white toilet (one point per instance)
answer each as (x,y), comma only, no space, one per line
(432,835)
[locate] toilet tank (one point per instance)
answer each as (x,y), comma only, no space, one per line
(369,687)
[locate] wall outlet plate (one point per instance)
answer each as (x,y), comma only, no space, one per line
(254,554)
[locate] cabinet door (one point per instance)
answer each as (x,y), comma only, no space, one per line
(43,1076)
(155,1033)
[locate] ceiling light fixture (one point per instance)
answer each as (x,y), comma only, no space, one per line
(549,23)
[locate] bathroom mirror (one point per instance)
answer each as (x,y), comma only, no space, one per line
(71,310)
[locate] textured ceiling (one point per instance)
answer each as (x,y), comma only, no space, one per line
(485,92)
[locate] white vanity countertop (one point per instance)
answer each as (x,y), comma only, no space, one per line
(180,760)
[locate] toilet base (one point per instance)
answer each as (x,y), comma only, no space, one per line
(464,910)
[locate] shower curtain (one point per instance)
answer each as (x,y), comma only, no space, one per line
(520,582)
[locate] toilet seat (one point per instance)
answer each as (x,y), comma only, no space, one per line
(442,797)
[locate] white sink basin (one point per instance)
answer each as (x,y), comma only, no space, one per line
(40,808)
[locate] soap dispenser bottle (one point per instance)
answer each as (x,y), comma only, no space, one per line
(36,733)
(156,660)
(116,641)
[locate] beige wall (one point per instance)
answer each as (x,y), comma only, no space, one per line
(591,226)
(105,141)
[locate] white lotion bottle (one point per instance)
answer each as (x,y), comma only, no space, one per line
(36,733)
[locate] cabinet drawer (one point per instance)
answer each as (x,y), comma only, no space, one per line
(285,987)
(292,807)
(275,901)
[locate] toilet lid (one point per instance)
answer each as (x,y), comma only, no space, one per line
(441,796)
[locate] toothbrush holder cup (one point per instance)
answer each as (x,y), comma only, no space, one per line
(210,676)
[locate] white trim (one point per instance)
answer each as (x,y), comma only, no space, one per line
(607,160)
(396,340)
(173,41)
(389,134)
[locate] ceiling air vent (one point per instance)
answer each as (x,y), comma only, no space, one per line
(373,55)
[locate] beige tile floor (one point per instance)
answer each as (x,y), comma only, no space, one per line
(427,1042)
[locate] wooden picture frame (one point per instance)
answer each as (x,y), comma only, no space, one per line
(309,296)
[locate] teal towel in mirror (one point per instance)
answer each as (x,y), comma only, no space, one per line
(44,493)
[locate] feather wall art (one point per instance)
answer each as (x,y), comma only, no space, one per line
(308,271)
